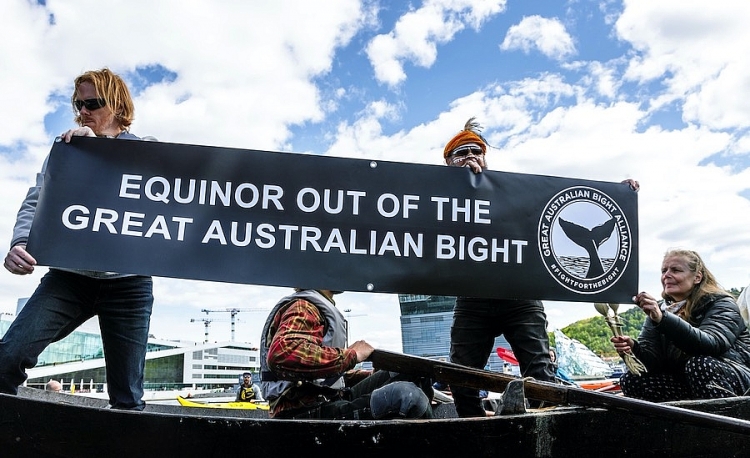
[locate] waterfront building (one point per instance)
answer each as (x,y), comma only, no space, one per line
(170,365)
(426,328)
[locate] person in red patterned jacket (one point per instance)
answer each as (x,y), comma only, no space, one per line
(307,371)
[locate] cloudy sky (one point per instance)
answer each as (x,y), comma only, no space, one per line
(601,90)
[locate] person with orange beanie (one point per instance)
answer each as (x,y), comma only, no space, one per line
(478,321)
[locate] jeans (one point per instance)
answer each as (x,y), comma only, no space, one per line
(476,323)
(382,395)
(65,300)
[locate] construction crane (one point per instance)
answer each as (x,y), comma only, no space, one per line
(206,323)
(348,313)
(234,312)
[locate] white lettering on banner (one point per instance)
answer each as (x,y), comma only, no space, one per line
(294,237)
(479,248)
(159,189)
(77,217)
(312,238)
(328,207)
(544,244)
(624,250)
(471,213)
(392,202)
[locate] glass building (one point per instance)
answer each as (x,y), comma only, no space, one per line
(426,328)
(79,357)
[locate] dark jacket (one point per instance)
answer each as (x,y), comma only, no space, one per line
(716,329)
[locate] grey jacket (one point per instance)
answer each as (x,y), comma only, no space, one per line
(25,215)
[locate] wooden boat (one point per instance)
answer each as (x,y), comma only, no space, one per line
(45,424)
(222,405)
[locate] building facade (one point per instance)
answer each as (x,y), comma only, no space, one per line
(426,328)
(170,365)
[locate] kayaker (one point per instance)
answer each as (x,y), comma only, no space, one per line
(249,391)
(694,342)
(308,372)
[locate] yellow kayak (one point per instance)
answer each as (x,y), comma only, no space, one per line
(223,405)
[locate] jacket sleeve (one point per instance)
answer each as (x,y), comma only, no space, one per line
(25,215)
(258,392)
(714,335)
(649,347)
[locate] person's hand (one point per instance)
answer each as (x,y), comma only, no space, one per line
(18,261)
(649,305)
(623,344)
(474,165)
(473,160)
(84,131)
(634,185)
(363,349)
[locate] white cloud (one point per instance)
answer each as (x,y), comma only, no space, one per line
(701,49)
(547,36)
(243,71)
(418,33)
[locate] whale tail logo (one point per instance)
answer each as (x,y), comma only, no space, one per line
(590,240)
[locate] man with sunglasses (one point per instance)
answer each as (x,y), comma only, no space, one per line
(478,321)
(248,391)
(66,298)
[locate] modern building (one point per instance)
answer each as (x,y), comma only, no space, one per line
(170,365)
(426,328)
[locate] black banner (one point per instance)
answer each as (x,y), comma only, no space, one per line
(284,219)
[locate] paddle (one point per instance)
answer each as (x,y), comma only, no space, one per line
(544,391)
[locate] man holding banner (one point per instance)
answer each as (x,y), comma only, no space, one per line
(478,321)
(66,298)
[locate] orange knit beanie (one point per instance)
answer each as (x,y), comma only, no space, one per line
(470,134)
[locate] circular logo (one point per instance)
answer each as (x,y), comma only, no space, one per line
(584,239)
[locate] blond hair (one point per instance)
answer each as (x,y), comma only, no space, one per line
(113,90)
(707,285)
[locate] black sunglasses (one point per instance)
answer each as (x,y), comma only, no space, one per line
(90,104)
(463,151)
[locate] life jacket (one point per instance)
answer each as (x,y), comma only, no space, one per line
(335,336)
(246,393)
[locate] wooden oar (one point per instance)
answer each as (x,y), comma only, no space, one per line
(456,374)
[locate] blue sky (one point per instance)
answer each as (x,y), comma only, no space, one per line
(601,90)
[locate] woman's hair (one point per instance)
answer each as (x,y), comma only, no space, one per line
(113,90)
(707,285)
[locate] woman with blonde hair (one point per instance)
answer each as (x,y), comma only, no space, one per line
(694,342)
